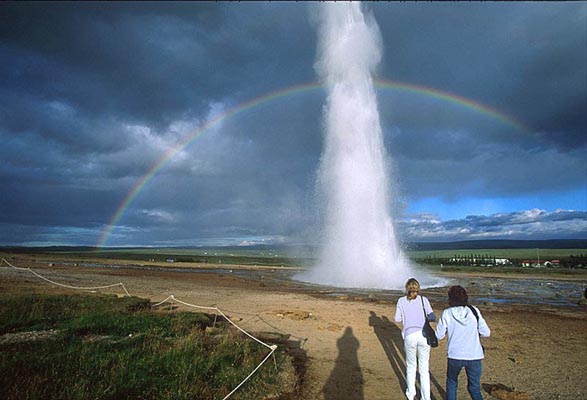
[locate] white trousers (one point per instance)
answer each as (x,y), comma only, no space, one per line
(417,350)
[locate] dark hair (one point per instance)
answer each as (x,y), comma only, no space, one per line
(457,296)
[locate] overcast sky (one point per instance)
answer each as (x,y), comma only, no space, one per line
(94,95)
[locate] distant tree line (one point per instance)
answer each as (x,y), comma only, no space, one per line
(468,260)
(572,261)
(486,260)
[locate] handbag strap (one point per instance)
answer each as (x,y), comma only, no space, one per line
(477,318)
(423,309)
(475,314)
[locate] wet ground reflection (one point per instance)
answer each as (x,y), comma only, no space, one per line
(506,290)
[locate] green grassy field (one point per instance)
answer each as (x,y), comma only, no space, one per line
(269,257)
(104,347)
(569,258)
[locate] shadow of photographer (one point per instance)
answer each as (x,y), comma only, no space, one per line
(346,380)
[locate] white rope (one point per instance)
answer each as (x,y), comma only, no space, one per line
(171,298)
(228,319)
(67,286)
(162,302)
(273,348)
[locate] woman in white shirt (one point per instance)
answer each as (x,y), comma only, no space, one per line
(412,311)
(464,324)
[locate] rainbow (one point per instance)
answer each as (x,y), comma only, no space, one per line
(293,90)
(454,99)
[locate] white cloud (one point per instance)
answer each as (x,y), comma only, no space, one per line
(159,216)
(528,224)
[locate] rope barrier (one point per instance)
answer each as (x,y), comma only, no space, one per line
(68,286)
(272,348)
(226,317)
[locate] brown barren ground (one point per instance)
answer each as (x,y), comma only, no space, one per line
(354,350)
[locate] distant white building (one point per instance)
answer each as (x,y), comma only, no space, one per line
(540,264)
(530,263)
(481,261)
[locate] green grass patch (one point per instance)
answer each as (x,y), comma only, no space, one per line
(104,347)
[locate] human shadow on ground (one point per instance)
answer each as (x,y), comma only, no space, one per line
(390,337)
(346,380)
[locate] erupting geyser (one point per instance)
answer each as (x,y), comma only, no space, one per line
(359,244)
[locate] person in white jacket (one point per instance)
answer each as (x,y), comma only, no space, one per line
(412,311)
(464,324)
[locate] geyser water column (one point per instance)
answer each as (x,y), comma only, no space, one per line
(359,245)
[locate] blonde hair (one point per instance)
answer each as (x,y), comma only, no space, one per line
(413,288)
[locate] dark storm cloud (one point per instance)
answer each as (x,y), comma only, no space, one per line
(146,62)
(524,60)
(93,95)
(527,62)
(88,87)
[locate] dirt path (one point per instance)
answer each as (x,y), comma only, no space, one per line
(353,350)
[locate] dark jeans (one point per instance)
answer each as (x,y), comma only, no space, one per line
(473,368)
